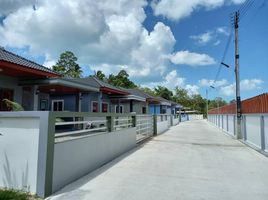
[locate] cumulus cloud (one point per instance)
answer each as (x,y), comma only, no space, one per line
(178,9)
(191,58)
(192,89)
(203,38)
(245,85)
(211,36)
(8,6)
(223,30)
(171,80)
(104,35)
(207,83)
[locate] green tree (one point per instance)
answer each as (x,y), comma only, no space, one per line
(100,75)
(198,103)
(67,65)
(163,92)
(121,80)
(217,102)
(148,90)
(181,96)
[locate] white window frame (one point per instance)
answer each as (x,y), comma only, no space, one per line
(57,100)
(119,108)
(107,107)
(92,106)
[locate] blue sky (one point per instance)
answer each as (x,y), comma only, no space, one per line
(169,43)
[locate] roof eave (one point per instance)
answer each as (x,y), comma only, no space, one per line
(58,81)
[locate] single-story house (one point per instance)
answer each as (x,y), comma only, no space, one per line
(13,69)
(36,87)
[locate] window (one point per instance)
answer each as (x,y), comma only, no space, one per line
(119,109)
(5,94)
(143,110)
(57,105)
(163,109)
(94,106)
(104,107)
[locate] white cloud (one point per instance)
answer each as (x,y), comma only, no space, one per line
(192,89)
(211,36)
(245,85)
(106,35)
(217,43)
(207,83)
(178,9)
(203,38)
(8,6)
(171,80)
(223,30)
(191,58)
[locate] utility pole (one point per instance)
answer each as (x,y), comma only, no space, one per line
(237,79)
(207,101)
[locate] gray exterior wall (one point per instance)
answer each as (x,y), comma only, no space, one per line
(12,83)
(69,101)
(138,105)
(87,98)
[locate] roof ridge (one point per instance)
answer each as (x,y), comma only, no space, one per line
(9,52)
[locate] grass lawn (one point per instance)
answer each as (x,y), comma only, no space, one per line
(16,195)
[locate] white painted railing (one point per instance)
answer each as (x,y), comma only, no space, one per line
(254,128)
(144,126)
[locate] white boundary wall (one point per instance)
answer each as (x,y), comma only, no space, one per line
(254,128)
(19,153)
(23,148)
(76,158)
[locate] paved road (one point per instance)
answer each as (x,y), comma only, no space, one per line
(193,160)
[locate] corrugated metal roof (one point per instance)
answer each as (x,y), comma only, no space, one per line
(16,59)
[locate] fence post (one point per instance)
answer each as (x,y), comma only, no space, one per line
(45,154)
(134,120)
(110,123)
(171,120)
(155,124)
(262,133)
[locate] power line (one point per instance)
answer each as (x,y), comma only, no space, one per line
(242,11)
(223,57)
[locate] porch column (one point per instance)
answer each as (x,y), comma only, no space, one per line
(100,101)
(131,106)
(118,104)
(35,97)
(79,101)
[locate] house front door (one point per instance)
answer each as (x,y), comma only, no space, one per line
(5,94)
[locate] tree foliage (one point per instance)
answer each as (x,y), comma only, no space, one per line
(215,103)
(14,106)
(121,80)
(163,92)
(100,75)
(67,65)
(148,90)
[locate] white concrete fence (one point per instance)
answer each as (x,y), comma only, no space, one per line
(254,128)
(42,151)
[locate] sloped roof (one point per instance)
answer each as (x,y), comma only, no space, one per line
(16,59)
(95,82)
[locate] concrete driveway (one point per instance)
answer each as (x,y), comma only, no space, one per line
(193,160)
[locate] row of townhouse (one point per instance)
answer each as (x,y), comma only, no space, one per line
(36,87)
